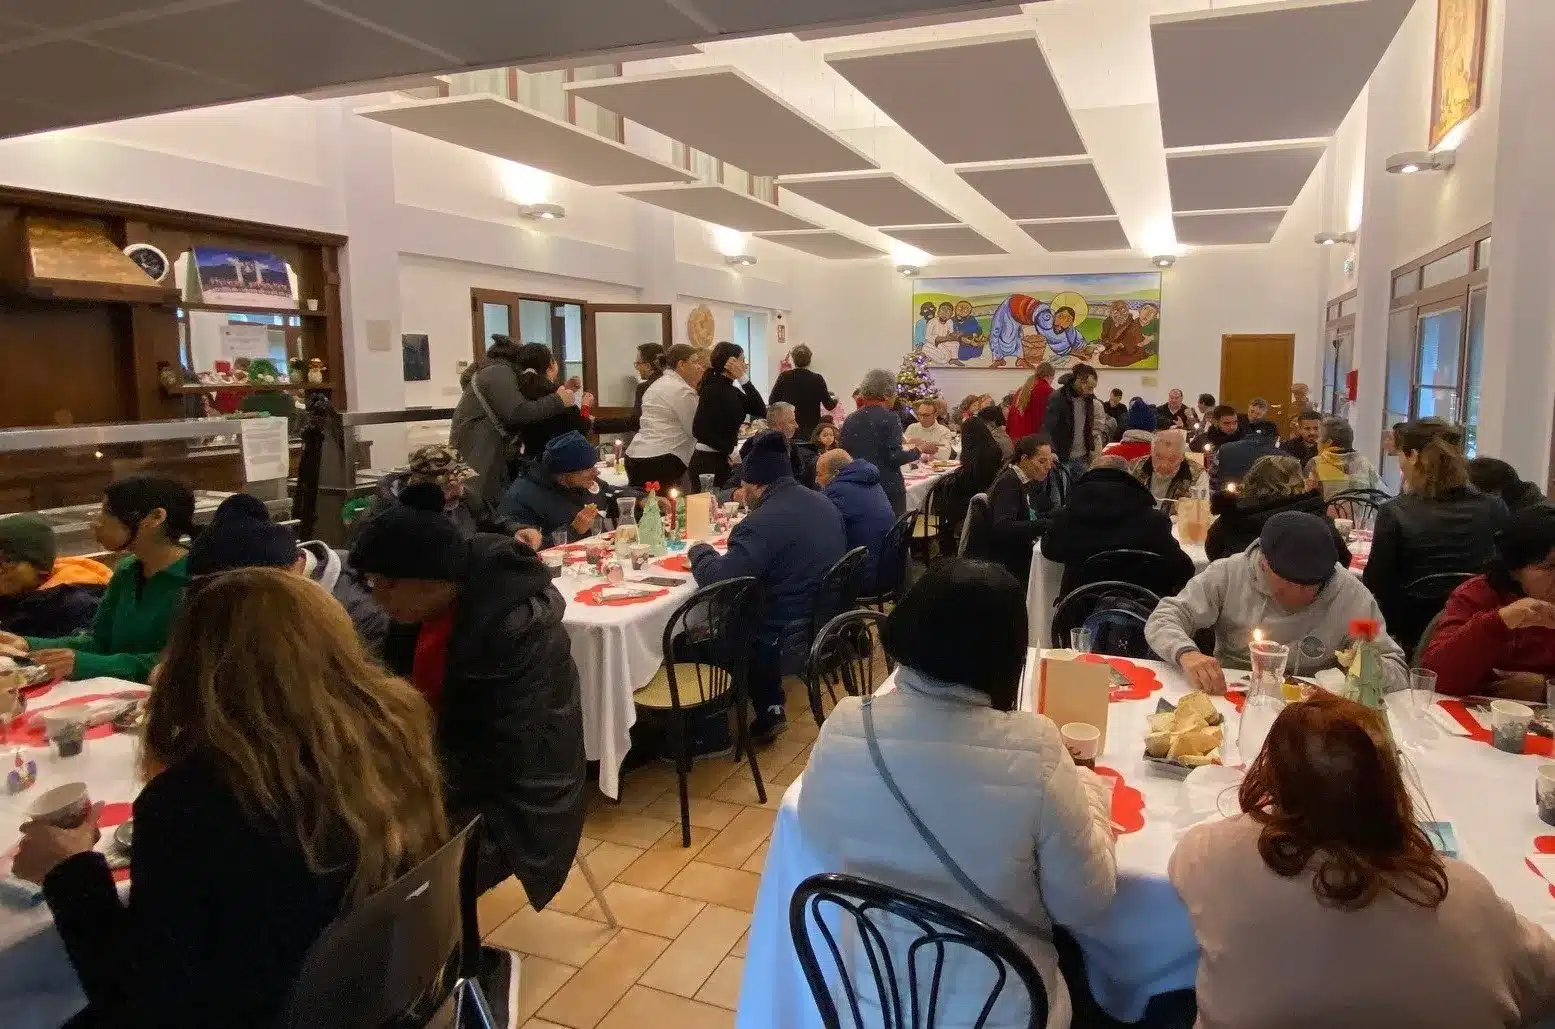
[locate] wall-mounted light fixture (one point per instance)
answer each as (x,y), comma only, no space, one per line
(1328,239)
(907,270)
(542,212)
(1412,162)
(740,260)
(1164,260)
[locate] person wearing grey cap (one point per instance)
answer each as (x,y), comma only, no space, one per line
(1286,585)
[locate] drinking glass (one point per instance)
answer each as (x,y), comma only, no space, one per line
(600,525)
(706,482)
(1268,667)
(1419,733)
(1080,640)
(559,537)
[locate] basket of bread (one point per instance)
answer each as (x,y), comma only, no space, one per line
(1184,737)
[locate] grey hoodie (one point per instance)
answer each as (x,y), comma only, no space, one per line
(1232,597)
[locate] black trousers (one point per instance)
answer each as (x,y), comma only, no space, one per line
(705,462)
(668,470)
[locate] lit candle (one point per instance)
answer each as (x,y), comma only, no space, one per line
(1230,487)
(1257,636)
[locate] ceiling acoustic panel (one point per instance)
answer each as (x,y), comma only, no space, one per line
(917,22)
(1242,178)
(946,240)
(989,98)
(823,243)
(723,112)
(1068,237)
(875,199)
(501,128)
(1042,191)
(720,205)
(760,15)
(1241,77)
(1225,228)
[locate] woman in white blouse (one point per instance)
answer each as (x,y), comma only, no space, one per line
(661,450)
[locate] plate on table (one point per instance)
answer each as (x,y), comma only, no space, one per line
(1172,768)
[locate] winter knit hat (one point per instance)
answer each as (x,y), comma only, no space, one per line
(1141,415)
(1299,547)
(413,539)
(569,452)
(27,537)
(241,535)
(768,460)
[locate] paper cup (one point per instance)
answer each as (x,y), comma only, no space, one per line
(59,720)
(1509,725)
(1082,740)
(1544,793)
(64,806)
(1344,525)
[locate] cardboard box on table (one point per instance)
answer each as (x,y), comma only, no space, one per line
(1071,690)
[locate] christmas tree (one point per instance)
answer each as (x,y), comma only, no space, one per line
(913,381)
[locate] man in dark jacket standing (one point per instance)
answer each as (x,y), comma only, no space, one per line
(478,630)
(793,535)
(562,490)
(873,433)
(854,487)
(1076,422)
(1109,509)
(803,388)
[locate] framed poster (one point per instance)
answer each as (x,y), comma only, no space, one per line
(1459,65)
(416,353)
(1019,321)
(242,278)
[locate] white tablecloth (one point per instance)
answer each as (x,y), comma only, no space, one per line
(919,479)
(38,987)
(617,651)
(1047,576)
(1145,945)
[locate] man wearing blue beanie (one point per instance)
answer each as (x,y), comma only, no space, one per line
(793,535)
(562,490)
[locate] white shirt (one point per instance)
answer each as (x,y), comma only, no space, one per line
(940,434)
(669,405)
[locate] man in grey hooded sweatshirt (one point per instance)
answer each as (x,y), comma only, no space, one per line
(1286,585)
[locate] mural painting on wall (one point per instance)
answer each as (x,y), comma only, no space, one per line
(1460,61)
(1018,321)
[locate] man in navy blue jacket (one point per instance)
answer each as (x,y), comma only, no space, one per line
(792,536)
(854,486)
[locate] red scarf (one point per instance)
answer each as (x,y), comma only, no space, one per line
(431,659)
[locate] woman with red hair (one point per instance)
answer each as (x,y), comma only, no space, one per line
(1325,904)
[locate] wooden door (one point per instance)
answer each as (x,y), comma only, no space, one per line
(611,335)
(1258,366)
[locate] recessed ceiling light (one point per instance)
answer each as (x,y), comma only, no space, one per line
(542,212)
(1411,162)
(1328,239)
(740,260)
(908,270)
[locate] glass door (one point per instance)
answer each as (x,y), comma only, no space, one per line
(1475,371)
(1439,360)
(611,335)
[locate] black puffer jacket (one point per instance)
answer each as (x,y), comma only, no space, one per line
(1241,522)
(510,728)
(1109,509)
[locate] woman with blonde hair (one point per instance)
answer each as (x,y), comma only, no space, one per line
(1273,484)
(1440,523)
(289,778)
(1324,903)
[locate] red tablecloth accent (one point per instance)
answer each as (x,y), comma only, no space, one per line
(1142,681)
(1237,699)
(1539,745)
(1128,804)
(27,727)
(1542,845)
(591,597)
(674,563)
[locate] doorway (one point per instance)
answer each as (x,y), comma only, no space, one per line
(1253,366)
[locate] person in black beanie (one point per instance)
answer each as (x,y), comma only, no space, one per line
(241,535)
(495,663)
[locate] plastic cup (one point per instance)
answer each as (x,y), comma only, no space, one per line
(1509,725)
(1544,793)
(559,537)
(706,482)
(1268,666)
(1083,741)
(1080,640)
(64,806)
(554,559)
(1344,525)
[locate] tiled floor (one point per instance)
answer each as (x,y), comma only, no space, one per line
(676,959)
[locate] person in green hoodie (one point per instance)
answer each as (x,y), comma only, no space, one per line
(147,518)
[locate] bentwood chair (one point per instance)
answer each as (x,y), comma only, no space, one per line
(975,528)
(930,530)
(893,952)
(1422,601)
(1359,506)
(404,956)
(706,675)
(845,654)
(891,568)
(1115,612)
(1140,567)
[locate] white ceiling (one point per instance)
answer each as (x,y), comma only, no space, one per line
(822,243)
(721,206)
(73,62)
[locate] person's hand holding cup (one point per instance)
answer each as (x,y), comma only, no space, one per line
(61,823)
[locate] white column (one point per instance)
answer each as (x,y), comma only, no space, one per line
(1374,286)
(1519,371)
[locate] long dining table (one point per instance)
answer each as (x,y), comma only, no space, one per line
(1145,945)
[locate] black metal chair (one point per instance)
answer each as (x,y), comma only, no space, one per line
(904,975)
(930,531)
(975,528)
(891,569)
(1422,600)
(404,956)
(1114,611)
(1359,506)
(1140,567)
(843,654)
(706,673)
